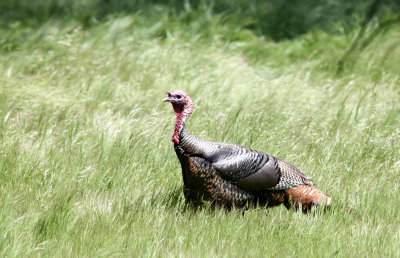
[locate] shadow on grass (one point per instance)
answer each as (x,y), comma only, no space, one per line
(174,200)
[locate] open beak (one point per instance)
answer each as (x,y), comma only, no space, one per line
(167,99)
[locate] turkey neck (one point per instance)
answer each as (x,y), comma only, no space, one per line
(182,113)
(182,137)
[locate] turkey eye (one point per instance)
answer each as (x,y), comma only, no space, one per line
(179,97)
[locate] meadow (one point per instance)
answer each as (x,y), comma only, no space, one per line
(87,167)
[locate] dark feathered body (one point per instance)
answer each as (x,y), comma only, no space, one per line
(204,182)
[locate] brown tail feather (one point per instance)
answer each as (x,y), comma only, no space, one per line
(305,197)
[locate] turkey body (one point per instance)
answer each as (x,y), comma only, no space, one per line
(230,175)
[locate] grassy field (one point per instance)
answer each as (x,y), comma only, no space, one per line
(87,167)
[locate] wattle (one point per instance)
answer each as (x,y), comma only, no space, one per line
(177,109)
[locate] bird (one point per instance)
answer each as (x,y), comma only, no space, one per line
(231,176)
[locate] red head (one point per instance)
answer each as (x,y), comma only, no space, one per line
(183,107)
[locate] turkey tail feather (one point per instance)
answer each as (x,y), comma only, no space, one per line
(305,197)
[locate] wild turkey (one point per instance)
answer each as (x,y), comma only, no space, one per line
(231,175)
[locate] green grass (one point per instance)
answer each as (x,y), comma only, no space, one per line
(87,167)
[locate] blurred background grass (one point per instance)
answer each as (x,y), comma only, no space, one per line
(277,20)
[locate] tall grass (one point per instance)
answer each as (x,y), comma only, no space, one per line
(86,163)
